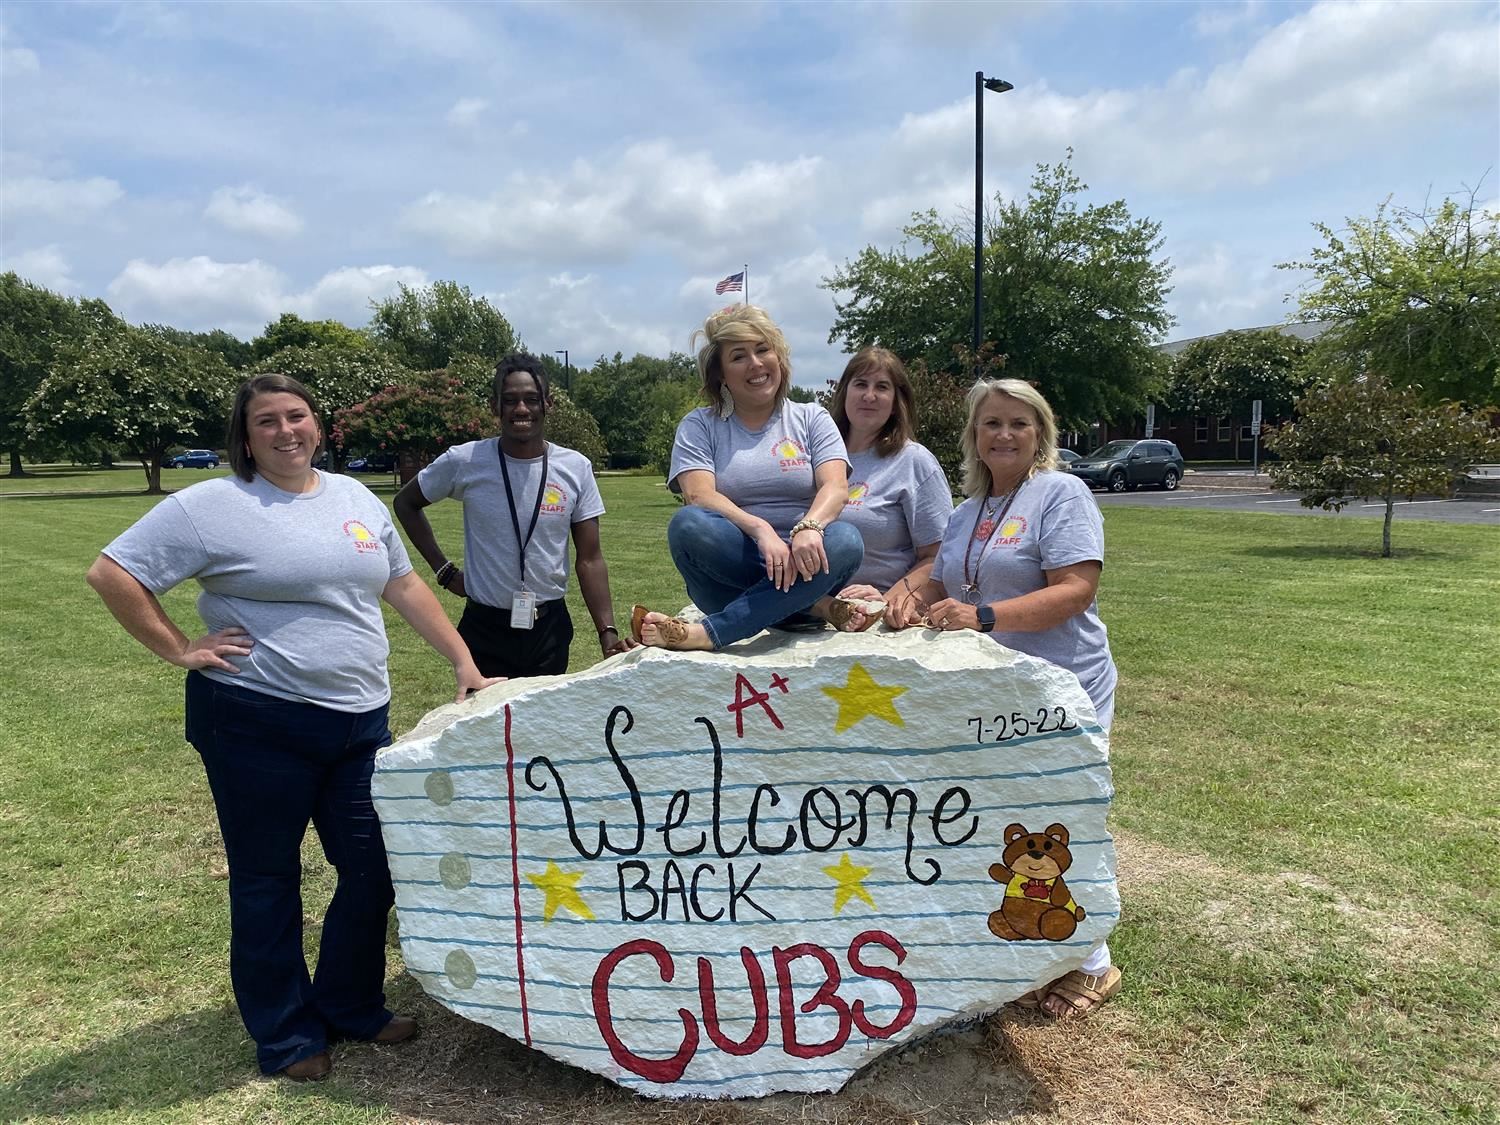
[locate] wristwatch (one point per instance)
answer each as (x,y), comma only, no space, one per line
(986,618)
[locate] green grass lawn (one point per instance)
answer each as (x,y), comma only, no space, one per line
(1306,753)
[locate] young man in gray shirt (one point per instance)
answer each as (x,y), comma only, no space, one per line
(523,498)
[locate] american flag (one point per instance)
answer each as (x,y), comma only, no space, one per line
(731,284)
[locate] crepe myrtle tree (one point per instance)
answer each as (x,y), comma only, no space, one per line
(128,389)
(419,418)
(1365,438)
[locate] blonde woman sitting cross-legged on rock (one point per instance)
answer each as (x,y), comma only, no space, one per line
(764,480)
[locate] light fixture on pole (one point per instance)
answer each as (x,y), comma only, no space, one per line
(567,370)
(999,86)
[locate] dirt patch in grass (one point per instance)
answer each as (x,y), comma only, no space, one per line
(1010,1068)
(1295,911)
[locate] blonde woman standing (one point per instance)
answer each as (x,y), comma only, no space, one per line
(1021,561)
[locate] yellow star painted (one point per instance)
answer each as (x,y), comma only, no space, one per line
(861,696)
(850,883)
(560,887)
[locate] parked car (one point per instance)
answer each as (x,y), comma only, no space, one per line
(374,463)
(194,459)
(1128,464)
(1067,457)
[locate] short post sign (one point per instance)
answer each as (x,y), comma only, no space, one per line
(711,875)
(1255,436)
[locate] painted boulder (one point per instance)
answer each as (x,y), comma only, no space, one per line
(726,874)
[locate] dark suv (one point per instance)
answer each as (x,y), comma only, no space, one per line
(1121,465)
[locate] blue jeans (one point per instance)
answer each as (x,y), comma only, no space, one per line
(273,766)
(726,575)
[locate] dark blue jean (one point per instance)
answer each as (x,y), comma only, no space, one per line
(726,575)
(274,766)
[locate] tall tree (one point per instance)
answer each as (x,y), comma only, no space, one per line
(618,393)
(131,390)
(1222,375)
(1365,437)
(1413,294)
(426,328)
(235,352)
(34,322)
(290,331)
(1074,295)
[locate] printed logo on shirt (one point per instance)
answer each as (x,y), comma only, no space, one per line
(791,454)
(363,540)
(1011,531)
(554,499)
(858,492)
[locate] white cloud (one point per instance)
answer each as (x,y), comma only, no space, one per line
(580,313)
(15,60)
(249,210)
(651,193)
(466,111)
(1334,79)
(1221,18)
(64,200)
(44,266)
(242,297)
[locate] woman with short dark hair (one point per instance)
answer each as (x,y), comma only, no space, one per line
(287,703)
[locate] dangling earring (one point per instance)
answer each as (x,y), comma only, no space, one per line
(726,403)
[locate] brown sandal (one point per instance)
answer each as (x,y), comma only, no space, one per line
(673,632)
(842,610)
(1083,992)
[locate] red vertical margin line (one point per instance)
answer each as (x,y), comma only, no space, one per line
(515,875)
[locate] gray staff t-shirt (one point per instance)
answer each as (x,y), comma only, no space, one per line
(1053,522)
(492,559)
(769,472)
(301,573)
(899,503)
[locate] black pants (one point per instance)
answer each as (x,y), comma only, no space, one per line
(500,650)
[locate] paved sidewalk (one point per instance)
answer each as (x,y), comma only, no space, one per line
(1483,483)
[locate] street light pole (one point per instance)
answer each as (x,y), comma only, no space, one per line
(999,86)
(567,370)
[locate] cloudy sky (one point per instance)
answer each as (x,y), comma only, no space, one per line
(594,168)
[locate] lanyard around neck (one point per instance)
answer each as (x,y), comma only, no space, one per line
(510,500)
(971,581)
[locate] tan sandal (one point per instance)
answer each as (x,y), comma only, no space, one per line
(842,610)
(1083,992)
(672,631)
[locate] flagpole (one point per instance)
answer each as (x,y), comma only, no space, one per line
(747,283)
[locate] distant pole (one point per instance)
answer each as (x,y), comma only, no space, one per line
(567,369)
(999,86)
(747,283)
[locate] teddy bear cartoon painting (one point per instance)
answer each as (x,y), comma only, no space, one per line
(1037,904)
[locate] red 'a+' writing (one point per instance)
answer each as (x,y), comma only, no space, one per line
(747,694)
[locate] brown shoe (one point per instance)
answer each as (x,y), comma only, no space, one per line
(673,633)
(314,1068)
(398,1030)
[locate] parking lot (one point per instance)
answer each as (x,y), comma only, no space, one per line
(1248,499)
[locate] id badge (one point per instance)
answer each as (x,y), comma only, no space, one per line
(523,610)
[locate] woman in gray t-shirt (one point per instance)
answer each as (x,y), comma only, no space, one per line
(763,480)
(1021,561)
(287,702)
(898,496)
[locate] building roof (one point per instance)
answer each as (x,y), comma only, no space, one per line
(1302,329)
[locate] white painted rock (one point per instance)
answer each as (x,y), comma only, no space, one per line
(735,873)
